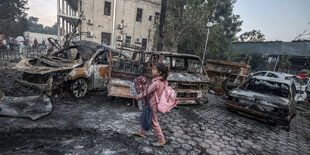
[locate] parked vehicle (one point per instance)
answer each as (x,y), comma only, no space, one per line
(187,76)
(266,98)
(301,94)
(81,67)
(307,82)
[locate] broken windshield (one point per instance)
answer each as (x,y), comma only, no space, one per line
(183,64)
(267,87)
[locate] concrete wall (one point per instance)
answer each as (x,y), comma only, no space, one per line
(125,14)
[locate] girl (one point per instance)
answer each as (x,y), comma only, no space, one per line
(160,73)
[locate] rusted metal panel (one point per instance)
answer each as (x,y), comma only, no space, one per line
(103,71)
(77,73)
(218,71)
(119,88)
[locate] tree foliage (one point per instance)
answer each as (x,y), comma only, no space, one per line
(252,36)
(13,20)
(34,26)
(284,62)
(186,31)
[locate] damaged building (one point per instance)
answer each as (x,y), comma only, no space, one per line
(115,23)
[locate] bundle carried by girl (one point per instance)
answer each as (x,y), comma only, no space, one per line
(167,100)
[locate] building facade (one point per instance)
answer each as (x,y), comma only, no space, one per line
(115,23)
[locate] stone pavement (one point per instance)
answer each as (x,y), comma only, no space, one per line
(212,129)
(97,125)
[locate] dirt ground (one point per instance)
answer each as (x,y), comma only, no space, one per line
(97,124)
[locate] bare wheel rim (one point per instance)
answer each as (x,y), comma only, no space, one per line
(79,88)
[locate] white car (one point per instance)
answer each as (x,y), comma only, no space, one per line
(307,82)
(301,87)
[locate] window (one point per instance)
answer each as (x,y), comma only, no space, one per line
(106,38)
(272,75)
(259,74)
(144,43)
(167,60)
(150,18)
(194,65)
(178,64)
(139,15)
(107,8)
(157,17)
(128,40)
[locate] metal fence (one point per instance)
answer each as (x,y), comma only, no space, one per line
(15,55)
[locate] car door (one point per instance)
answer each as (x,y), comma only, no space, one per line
(99,68)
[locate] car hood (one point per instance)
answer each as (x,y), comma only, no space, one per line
(43,65)
(269,100)
(188,77)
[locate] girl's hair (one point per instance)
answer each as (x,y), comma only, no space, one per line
(163,69)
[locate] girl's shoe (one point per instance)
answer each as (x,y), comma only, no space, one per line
(158,144)
(138,134)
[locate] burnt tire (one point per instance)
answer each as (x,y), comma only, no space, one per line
(79,87)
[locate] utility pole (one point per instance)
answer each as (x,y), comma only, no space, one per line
(162,20)
(209,25)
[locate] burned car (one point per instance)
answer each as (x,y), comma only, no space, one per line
(232,82)
(187,76)
(80,67)
(265,98)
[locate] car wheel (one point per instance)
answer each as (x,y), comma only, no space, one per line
(79,87)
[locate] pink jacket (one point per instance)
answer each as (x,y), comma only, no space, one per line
(158,86)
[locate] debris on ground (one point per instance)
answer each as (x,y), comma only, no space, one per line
(33,107)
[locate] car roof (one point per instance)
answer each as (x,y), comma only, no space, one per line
(277,73)
(289,82)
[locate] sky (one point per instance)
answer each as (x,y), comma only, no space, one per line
(45,10)
(276,19)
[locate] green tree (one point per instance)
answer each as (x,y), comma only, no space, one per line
(284,62)
(182,16)
(13,20)
(252,36)
(185,29)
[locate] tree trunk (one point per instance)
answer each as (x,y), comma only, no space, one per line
(175,47)
(161,25)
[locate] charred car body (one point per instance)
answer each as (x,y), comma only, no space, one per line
(270,99)
(187,76)
(81,67)
(232,82)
